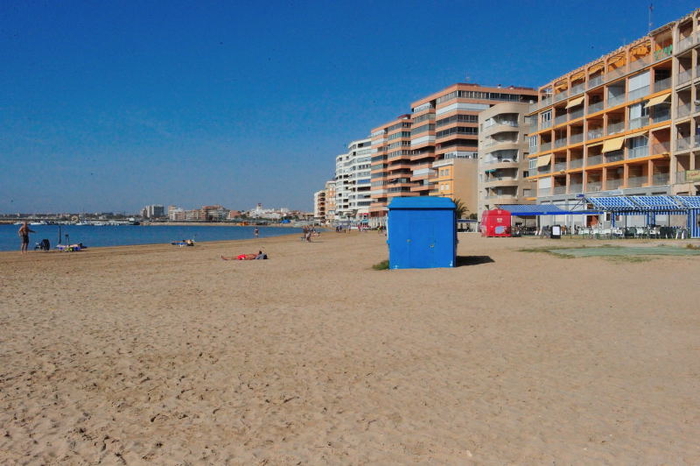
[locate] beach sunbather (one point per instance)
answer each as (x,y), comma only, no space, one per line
(246,257)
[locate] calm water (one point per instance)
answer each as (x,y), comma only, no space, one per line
(125,235)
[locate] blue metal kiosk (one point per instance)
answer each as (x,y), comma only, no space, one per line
(422,233)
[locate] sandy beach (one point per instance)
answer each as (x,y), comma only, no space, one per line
(171,356)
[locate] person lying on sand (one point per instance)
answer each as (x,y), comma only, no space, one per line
(246,257)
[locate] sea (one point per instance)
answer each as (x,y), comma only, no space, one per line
(128,235)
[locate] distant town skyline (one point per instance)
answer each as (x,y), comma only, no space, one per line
(111,107)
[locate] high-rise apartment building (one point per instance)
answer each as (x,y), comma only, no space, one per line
(626,123)
(352,181)
(320,206)
(503,156)
(433,151)
(330,201)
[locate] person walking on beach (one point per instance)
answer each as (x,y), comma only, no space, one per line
(23,233)
(256,232)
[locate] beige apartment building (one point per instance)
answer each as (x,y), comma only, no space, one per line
(433,151)
(503,156)
(626,123)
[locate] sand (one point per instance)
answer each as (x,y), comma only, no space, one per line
(167,355)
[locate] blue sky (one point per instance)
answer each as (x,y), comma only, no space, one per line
(109,106)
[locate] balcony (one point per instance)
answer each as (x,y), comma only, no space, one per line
(686,43)
(613,183)
(561,96)
(660,179)
(575,163)
(577,89)
(576,138)
(637,152)
(594,186)
(636,181)
(660,148)
(561,142)
(560,166)
(544,192)
(576,114)
(614,128)
(638,93)
(640,63)
(546,124)
(545,146)
(661,114)
(595,133)
(545,101)
(595,81)
(560,190)
(639,122)
(687,143)
(614,74)
(683,110)
(594,160)
(596,107)
(575,188)
(560,119)
(662,85)
(684,77)
(614,156)
(616,100)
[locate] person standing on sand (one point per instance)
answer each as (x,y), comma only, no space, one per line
(23,233)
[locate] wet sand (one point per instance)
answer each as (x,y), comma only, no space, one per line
(167,355)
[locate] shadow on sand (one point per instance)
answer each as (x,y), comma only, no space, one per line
(473,260)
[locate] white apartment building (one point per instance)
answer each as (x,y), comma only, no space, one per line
(353,181)
(503,157)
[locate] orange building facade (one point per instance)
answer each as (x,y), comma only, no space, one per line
(627,123)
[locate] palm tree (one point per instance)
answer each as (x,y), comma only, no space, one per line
(460,208)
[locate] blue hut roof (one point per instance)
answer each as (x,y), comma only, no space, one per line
(423,202)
